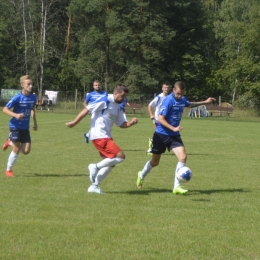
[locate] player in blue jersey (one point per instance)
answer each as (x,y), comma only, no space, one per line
(122,107)
(167,133)
(20,108)
(92,97)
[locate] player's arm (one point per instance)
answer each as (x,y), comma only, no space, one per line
(163,121)
(33,115)
(78,118)
(9,112)
(127,124)
(200,103)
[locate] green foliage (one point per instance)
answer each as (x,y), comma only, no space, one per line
(212,45)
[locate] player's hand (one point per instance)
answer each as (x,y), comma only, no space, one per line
(210,99)
(134,121)
(152,117)
(35,127)
(178,128)
(19,116)
(70,124)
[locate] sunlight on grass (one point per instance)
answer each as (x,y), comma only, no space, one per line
(46,212)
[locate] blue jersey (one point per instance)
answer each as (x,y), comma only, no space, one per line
(172,110)
(122,105)
(94,95)
(21,104)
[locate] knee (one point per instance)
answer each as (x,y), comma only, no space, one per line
(154,163)
(121,155)
(26,152)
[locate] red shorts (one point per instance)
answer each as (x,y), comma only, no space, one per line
(106,147)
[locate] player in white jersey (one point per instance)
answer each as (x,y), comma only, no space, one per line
(92,97)
(20,108)
(105,112)
(154,108)
(167,133)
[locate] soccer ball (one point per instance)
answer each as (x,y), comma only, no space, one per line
(184,174)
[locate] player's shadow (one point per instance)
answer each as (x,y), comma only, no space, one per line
(209,192)
(34,175)
(190,193)
(142,191)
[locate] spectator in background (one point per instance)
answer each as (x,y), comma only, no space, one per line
(45,102)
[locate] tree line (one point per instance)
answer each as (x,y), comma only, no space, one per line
(65,45)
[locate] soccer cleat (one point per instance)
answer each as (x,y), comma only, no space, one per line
(149,152)
(94,188)
(139,182)
(9,173)
(179,190)
(6,144)
(86,138)
(93,170)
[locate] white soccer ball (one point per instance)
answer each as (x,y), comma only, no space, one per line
(184,174)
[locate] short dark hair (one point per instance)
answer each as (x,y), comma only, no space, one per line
(180,84)
(121,88)
(167,83)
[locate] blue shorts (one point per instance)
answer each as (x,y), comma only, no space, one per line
(161,142)
(20,135)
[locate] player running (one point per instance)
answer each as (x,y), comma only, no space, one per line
(105,112)
(20,108)
(167,133)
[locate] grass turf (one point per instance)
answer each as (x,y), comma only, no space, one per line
(46,212)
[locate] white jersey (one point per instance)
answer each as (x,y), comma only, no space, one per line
(104,114)
(156,104)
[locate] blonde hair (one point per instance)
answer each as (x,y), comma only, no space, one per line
(23,78)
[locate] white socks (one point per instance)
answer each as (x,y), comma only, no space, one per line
(147,168)
(11,160)
(176,181)
(109,162)
(102,174)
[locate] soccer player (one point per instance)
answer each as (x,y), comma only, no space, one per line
(167,133)
(105,112)
(122,107)
(154,108)
(92,97)
(20,108)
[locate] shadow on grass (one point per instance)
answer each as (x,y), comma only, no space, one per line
(141,191)
(52,175)
(190,193)
(167,154)
(209,192)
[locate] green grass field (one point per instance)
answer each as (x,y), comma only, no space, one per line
(46,212)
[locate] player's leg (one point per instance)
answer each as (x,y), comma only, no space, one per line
(86,136)
(147,168)
(159,147)
(112,155)
(181,155)
(12,159)
(7,143)
(25,140)
(150,146)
